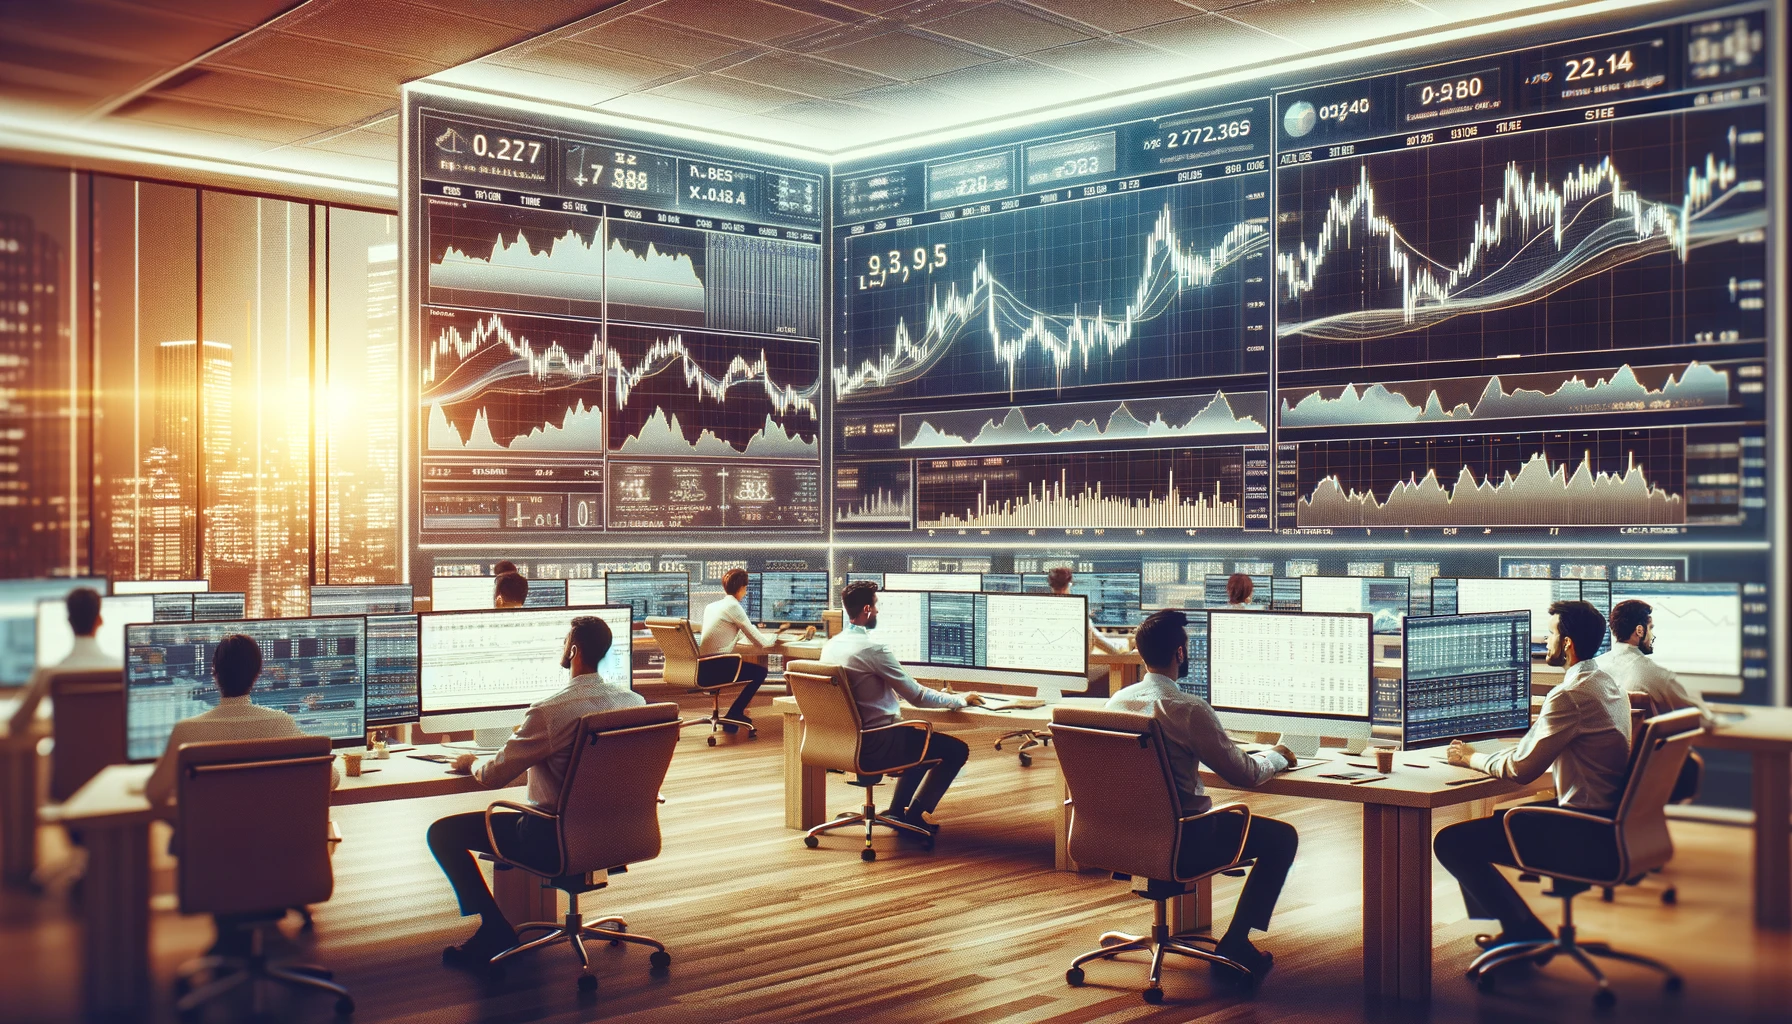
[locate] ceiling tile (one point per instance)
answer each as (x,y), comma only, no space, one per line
(88,26)
(323,62)
(750,20)
(904,57)
(1215,42)
(1115,61)
(1326,24)
(661,108)
(803,75)
(536,15)
(1116,16)
(401,28)
(237,13)
(1006,29)
(660,40)
(314,104)
(905,100)
(726,93)
(1016,82)
(258,127)
(589,64)
(368,144)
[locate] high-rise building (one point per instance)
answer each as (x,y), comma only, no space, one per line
(35,451)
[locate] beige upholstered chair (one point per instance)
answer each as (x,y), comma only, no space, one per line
(833,620)
(252,832)
(608,818)
(833,737)
(1686,788)
(88,728)
(685,667)
(1127,818)
(1578,851)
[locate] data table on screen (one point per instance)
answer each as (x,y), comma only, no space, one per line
(1289,663)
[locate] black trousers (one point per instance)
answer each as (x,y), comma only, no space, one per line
(711,673)
(454,839)
(1208,842)
(901,746)
(1471,849)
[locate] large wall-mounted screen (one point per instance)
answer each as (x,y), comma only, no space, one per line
(613,333)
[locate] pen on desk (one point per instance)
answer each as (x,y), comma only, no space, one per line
(1464,782)
(1364,782)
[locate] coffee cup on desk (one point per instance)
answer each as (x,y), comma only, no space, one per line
(1384,759)
(351,764)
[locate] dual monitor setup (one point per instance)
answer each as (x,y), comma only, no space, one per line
(773,598)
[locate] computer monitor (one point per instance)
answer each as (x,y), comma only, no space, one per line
(874,577)
(1114,597)
(1387,598)
(56,638)
(1698,626)
(1465,676)
(585,593)
(1003,582)
(1284,594)
(475,593)
(219,606)
(1598,593)
(174,607)
(652,595)
(312,669)
(391,670)
(18,621)
(1011,639)
(794,597)
(1464,595)
(1280,671)
(361,599)
(964,582)
(1194,682)
(160,586)
(480,670)
(1262,591)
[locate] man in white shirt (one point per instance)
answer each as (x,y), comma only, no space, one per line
(235,666)
(83,604)
(724,622)
(877,680)
(1582,736)
(1193,735)
(1059,580)
(543,748)
(1629,664)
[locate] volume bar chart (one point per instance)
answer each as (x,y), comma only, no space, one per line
(1167,489)
(874,496)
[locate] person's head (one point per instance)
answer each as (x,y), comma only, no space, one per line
(1575,632)
(586,644)
(1239,588)
(83,605)
(510,591)
(860,601)
(502,567)
(1059,580)
(1633,622)
(235,664)
(734,582)
(1162,643)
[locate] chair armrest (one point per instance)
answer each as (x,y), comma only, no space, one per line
(510,805)
(1244,833)
(1568,818)
(925,727)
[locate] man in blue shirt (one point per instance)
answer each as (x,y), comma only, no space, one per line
(877,680)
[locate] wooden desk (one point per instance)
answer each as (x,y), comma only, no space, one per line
(114,817)
(18,795)
(1124,669)
(1766,735)
(789,648)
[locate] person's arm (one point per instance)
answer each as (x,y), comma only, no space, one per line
(1101,644)
(1556,727)
(1200,728)
(159,790)
(528,747)
(1677,695)
(879,659)
(738,616)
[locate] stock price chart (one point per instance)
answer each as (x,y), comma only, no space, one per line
(612,334)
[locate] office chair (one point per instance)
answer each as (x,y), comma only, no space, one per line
(87,727)
(833,738)
(1127,819)
(252,833)
(712,674)
(1029,738)
(1686,790)
(833,620)
(607,819)
(1578,851)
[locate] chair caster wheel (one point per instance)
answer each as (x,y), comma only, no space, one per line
(1074,976)
(1154,996)
(345,1006)
(712,741)
(1670,897)
(1674,983)
(1607,895)
(659,960)
(1605,999)
(1026,760)
(587,983)
(1484,983)
(811,841)
(867,854)
(753,734)
(998,744)
(927,844)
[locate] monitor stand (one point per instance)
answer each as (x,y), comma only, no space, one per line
(485,741)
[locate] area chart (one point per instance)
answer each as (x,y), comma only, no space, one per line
(693,393)
(1201,416)
(1177,489)
(505,381)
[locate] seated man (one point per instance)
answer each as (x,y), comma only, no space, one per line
(1633,640)
(543,748)
(83,604)
(1059,582)
(1193,736)
(1582,736)
(235,666)
(723,623)
(510,590)
(877,680)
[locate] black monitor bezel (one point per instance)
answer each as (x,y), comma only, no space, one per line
(1530,704)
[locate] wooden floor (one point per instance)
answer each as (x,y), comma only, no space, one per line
(980,930)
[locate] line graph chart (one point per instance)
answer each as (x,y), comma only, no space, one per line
(695,393)
(507,381)
(1612,235)
(1200,416)
(1136,286)
(500,257)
